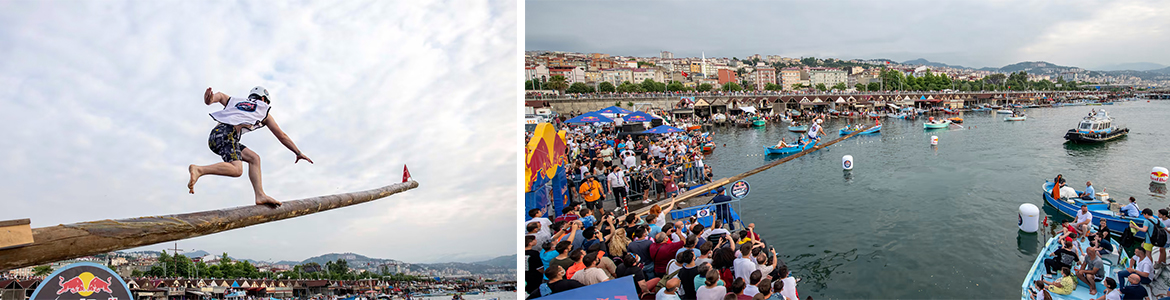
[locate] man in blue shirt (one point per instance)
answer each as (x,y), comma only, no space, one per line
(1088,194)
(722,212)
(1131,209)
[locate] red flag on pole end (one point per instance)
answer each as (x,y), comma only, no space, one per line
(405,173)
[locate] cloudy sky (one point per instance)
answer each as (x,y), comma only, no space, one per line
(979,33)
(103,101)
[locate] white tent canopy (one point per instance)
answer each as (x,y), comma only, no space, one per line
(748,109)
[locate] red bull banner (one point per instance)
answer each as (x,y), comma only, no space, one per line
(83,281)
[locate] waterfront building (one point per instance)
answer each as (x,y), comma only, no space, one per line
(763,75)
(827,76)
(727,75)
(792,75)
(572,74)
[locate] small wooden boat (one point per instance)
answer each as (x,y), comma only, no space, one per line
(849,130)
(1016,118)
(758,122)
(936,124)
(789,150)
(950,111)
(1098,208)
(1003,111)
(696,127)
(956,120)
(708,148)
(801,128)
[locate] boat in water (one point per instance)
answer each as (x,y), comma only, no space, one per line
(956,120)
(981,109)
(1016,116)
(851,129)
(904,116)
(758,122)
(1003,111)
(936,124)
(789,150)
(1099,209)
(1095,128)
(1112,263)
(796,127)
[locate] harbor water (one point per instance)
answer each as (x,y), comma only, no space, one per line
(913,220)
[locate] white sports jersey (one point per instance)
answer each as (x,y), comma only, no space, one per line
(243,111)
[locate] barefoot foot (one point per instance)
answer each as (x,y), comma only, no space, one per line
(266,200)
(194,177)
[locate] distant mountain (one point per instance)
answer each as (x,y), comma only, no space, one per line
(1138,66)
(354,260)
(922,61)
(1039,67)
(197,253)
(508,261)
(1165,70)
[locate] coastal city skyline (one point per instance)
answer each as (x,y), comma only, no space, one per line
(117,126)
(978,34)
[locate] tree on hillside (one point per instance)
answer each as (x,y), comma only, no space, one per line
(797,86)
(676,87)
(579,87)
(529,85)
(821,87)
(859,87)
(705,87)
(731,87)
(840,86)
(606,87)
(771,87)
(558,83)
(873,86)
(42,270)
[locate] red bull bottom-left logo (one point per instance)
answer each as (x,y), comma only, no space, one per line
(85,284)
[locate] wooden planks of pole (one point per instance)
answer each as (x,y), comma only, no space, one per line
(88,238)
(15,233)
(724,181)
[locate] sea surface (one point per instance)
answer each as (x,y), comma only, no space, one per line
(913,220)
(484,296)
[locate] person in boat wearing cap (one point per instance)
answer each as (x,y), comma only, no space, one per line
(239,116)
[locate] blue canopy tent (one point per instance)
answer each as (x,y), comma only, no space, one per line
(614,110)
(639,117)
(621,288)
(663,129)
(589,117)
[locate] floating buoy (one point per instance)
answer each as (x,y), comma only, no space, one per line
(847,162)
(1159,175)
(934,140)
(1029,218)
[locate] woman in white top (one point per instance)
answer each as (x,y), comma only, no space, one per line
(711,291)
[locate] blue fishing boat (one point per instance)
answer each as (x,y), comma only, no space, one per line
(849,130)
(801,128)
(982,109)
(1112,263)
(1099,209)
(788,150)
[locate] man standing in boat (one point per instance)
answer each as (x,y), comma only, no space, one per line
(241,115)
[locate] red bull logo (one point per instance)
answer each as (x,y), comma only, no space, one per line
(1159,176)
(85,284)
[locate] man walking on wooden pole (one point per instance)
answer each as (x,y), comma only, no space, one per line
(240,115)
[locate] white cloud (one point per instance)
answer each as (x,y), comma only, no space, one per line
(1118,32)
(104,102)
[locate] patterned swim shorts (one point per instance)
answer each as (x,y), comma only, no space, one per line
(225,142)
